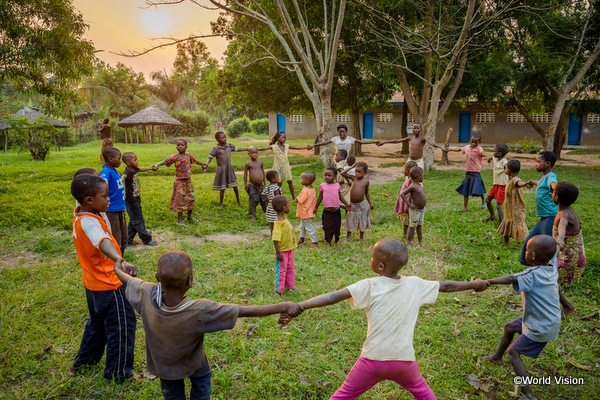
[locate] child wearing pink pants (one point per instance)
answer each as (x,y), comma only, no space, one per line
(392,305)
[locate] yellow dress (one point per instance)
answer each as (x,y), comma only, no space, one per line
(513,225)
(281,163)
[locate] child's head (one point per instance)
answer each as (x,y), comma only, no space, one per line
(408,166)
(307,178)
(278,137)
(272,176)
(416,128)
(91,191)
(130,159)
(330,174)
(361,169)
(112,156)
(388,256)
(174,271)
(105,121)
(350,160)
(181,145)
(514,167)
(416,174)
(342,130)
(475,139)
(565,193)
(86,171)
(544,160)
(341,155)
(253,152)
(281,204)
(540,250)
(500,150)
(220,137)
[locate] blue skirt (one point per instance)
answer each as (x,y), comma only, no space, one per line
(472,185)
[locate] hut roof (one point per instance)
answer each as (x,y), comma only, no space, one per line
(4,125)
(149,116)
(33,115)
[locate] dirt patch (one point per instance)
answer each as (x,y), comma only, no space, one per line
(23,259)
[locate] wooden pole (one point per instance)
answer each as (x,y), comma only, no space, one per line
(445,160)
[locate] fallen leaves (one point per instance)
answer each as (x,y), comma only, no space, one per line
(250,330)
(577,365)
(590,316)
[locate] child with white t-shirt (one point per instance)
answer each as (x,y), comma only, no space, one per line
(392,305)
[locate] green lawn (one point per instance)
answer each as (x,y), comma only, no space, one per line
(43,308)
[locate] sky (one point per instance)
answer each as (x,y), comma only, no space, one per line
(121,26)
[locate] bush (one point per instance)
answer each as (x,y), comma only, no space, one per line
(195,123)
(260,126)
(238,127)
(525,146)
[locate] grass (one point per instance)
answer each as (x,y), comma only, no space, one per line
(43,309)
(583,152)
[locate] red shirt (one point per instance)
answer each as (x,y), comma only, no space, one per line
(183,165)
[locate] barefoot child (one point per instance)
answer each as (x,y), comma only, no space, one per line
(133,203)
(285,243)
(392,305)
(268,193)
(540,322)
(358,217)
(104,128)
(401,207)
(472,185)
(567,232)
(416,204)
(513,224)
(306,209)
(417,142)
(499,183)
(343,166)
(183,198)
(255,170)
(116,192)
(224,176)
(175,324)
(331,195)
(112,319)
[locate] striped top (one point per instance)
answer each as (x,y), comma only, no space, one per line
(269,191)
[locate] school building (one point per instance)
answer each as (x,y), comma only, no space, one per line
(494,127)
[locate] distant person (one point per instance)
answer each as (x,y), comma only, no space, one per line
(358,217)
(254,182)
(472,185)
(306,209)
(401,207)
(499,183)
(105,129)
(416,203)
(513,224)
(331,196)
(224,175)
(342,141)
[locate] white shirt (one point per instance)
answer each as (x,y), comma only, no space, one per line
(392,307)
(500,177)
(343,144)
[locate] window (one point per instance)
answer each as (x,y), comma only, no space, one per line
(488,118)
(515,118)
(542,118)
(410,119)
(593,118)
(341,118)
(385,117)
(297,119)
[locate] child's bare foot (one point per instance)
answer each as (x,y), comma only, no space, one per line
(239,203)
(422,245)
(300,242)
(190,219)
(362,240)
(312,246)
(566,310)
(254,217)
(180,222)
(492,359)
(488,219)
(409,245)
(72,371)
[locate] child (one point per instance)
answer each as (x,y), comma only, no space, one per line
(224,176)
(417,142)
(91,171)
(268,193)
(112,319)
(540,322)
(401,207)
(392,305)
(331,195)
(341,164)
(358,217)
(285,243)
(545,208)
(342,141)
(514,225)
(175,324)
(567,232)
(306,209)
(281,163)
(416,204)
(255,170)
(133,203)
(105,130)
(183,198)
(116,192)
(499,184)
(472,185)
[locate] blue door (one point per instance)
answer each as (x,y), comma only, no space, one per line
(464,127)
(280,122)
(574,129)
(367,125)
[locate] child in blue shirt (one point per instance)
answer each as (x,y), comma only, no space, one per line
(116,192)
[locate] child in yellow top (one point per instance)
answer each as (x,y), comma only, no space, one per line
(285,243)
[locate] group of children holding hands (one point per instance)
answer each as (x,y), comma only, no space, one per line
(175,325)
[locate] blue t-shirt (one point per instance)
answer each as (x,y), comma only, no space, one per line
(116,188)
(544,206)
(541,313)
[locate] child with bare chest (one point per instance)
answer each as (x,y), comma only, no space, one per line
(254,171)
(416,202)
(358,217)
(417,142)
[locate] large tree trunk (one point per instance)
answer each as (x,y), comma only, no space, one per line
(326,131)
(404,130)
(355,121)
(554,123)
(560,137)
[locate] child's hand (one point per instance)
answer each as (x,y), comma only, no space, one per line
(294,200)
(480,285)
(348,207)
(412,205)
(560,242)
(315,211)
(154,168)
(310,146)
(293,309)
(379,143)
(489,160)
(247,188)
(279,256)
(283,320)
(445,150)
(373,207)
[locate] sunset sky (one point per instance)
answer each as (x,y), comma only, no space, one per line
(125,25)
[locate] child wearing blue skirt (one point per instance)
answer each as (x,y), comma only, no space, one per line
(473,184)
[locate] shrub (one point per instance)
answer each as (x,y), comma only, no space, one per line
(238,127)
(525,146)
(260,126)
(195,123)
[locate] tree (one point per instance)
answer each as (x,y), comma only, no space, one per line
(128,85)
(168,88)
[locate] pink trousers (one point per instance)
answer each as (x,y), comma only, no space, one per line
(284,272)
(367,373)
